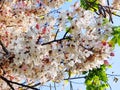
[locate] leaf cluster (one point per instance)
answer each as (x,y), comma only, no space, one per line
(97,79)
(116,36)
(92,5)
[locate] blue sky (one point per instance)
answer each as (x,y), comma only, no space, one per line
(115,61)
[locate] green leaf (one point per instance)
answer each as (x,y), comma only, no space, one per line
(70,18)
(89,4)
(105,21)
(103,76)
(69,73)
(66,82)
(42,17)
(69,0)
(84,72)
(88,82)
(116,30)
(83,4)
(97,79)
(69,30)
(90,88)
(109,66)
(113,41)
(118,40)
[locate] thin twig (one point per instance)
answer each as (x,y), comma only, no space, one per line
(66,33)
(116,14)
(108,2)
(50,87)
(110,14)
(71,87)
(113,75)
(102,10)
(109,86)
(56,34)
(36,84)
(77,82)
(111,8)
(75,78)
(57,10)
(4,48)
(55,86)
(56,40)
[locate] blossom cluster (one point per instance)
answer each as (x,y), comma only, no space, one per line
(25,35)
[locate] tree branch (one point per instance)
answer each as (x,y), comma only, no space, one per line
(102,10)
(36,84)
(9,82)
(53,11)
(56,40)
(4,79)
(75,78)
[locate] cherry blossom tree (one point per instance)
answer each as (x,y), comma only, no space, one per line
(42,42)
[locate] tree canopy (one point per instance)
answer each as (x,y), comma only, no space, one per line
(41,42)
